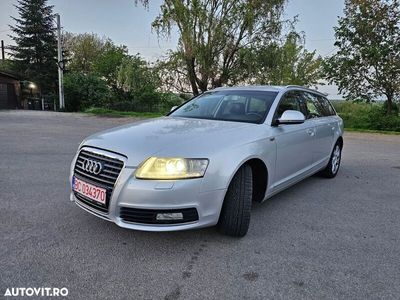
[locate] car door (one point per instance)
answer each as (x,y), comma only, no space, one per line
(294,142)
(318,114)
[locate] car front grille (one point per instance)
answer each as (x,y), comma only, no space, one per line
(91,203)
(148,216)
(105,179)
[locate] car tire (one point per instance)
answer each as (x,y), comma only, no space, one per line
(332,168)
(235,214)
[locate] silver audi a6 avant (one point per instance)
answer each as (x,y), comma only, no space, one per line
(206,161)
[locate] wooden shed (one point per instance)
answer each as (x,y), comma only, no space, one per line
(10,91)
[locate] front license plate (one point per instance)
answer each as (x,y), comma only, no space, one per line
(89,190)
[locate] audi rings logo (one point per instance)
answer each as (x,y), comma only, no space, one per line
(92,166)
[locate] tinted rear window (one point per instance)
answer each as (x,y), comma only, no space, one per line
(326,106)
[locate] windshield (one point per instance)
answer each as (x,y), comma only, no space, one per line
(238,106)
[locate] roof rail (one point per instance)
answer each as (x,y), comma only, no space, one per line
(306,88)
(295,86)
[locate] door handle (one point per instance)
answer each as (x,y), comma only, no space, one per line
(311,132)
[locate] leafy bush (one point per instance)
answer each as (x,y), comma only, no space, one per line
(370,116)
(83,91)
(171,99)
(395,107)
(354,114)
(378,120)
(147,102)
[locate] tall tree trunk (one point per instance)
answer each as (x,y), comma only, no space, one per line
(216,82)
(192,75)
(389,102)
(203,85)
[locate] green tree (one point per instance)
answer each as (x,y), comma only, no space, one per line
(107,63)
(35,51)
(135,75)
(84,50)
(213,33)
(84,90)
(6,65)
(172,72)
(367,63)
(139,82)
(276,63)
(289,63)
(91,54)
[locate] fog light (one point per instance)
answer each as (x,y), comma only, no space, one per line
(169,216)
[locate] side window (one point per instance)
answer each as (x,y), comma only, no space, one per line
(290,101)
(326,106)
(314,108)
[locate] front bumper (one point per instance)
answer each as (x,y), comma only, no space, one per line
(130,192)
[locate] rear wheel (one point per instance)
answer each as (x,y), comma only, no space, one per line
(332,168)
(235,215)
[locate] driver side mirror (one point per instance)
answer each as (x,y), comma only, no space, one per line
(173,108)
(291,117)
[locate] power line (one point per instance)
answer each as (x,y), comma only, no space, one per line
(319,40)
(334,49)
(144,47)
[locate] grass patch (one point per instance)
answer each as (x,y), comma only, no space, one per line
(371,131)
(119,114)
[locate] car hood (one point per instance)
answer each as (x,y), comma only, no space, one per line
(176,136)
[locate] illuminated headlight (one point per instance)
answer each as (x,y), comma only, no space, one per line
(172,168)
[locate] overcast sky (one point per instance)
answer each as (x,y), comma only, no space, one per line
(130,25)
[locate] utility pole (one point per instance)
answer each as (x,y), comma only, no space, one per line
(60,64)
(3,57)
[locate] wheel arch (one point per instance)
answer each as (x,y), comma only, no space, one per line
(260,177)
(340,141)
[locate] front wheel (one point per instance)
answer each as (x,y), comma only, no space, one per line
(235,214)
(332,168)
